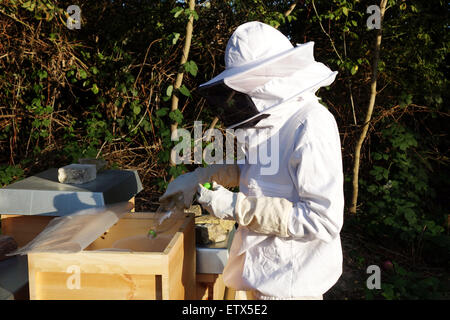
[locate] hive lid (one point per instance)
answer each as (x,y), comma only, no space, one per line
(42,194)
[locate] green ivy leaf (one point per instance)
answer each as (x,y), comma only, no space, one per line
(191,67)
(169,90)
(83,74)
(345,11)
(164,156)
(175,171)
(165,133)
(94,88)
(410,216)
(42,74)
(177,11)
(176,36)
(94,70)
(176,116)
(48,109)
(161,112)
(122,88)
(185,91)
(376,156)
(29,5)
(137,109)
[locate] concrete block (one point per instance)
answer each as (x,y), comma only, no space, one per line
(227,225)
(7,245)
(43,194)
(210,233)
(210,229)
(77,173)
(5,294)
(14,277)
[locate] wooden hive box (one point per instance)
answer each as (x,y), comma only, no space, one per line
(165,270)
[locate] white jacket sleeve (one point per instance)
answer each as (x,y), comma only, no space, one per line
(319,213)
(316,171)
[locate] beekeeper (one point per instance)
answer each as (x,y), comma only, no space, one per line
(287,245)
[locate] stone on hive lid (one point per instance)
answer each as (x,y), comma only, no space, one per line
(77,173)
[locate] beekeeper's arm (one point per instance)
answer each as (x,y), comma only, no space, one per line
(225,174)
(316,170)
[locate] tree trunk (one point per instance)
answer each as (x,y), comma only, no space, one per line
(373,94)
(184,57)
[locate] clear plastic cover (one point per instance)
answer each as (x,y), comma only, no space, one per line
(75,232)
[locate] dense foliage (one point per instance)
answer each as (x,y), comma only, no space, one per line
(105,91)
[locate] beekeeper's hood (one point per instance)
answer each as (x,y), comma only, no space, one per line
(263,71)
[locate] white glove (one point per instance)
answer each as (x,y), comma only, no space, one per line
(266,215)
(219,201)
(186,184)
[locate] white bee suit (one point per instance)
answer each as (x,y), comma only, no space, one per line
(287,244)
(300,254)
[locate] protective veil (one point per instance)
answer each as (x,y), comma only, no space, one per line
(287,244)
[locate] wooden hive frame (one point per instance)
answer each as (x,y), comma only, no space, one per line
(168,272)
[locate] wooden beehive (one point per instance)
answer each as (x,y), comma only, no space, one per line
(164,270)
